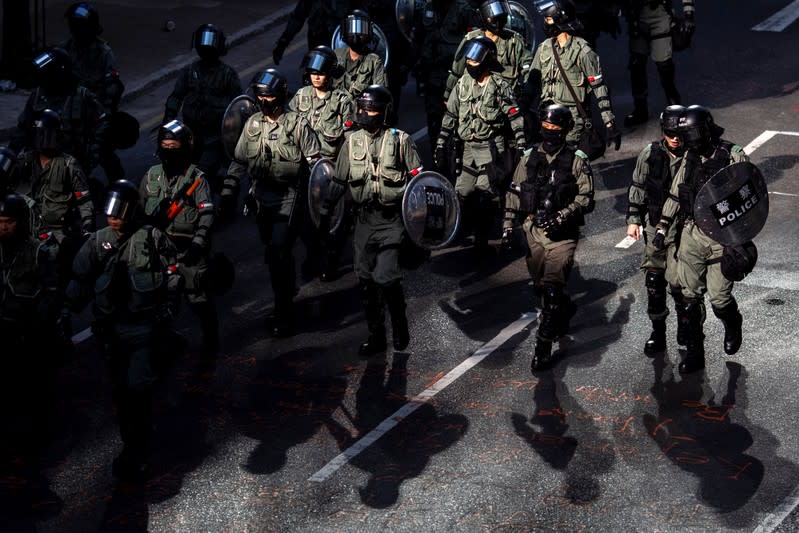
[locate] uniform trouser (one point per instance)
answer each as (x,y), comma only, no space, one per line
(657,265)
(699,268)
(650,36)
(278,236)
(376,243)
(477,185)
(196,282)
(549,262)
(434,108)
(131,351)
(211,159)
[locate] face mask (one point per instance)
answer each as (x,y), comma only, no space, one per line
(550,30)
(174,161)
(269,108)
(552,140)
(475,71)
(46,141)
(369,123)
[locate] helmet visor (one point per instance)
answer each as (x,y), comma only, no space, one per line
(315,62)
(116,206)
(358,26)
(210,38)
(546,8)
(476,51)
(6,162)
(266,84)
(495,9)
(42,60)
(81,11)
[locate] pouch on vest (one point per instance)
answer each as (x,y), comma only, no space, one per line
(738,261)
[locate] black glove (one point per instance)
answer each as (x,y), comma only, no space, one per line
(690,25)
(280,48)
(550,224)
(659,242)
(193,255)
(614,135)
(250,205)
(440,156)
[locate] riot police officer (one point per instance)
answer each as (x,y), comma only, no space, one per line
(322,17)
(275,150)
(360,68)
(480,109)
(650,26)
(178,198)
(123,269)
(376,163)
(82,115)
(513,56)
(329,112)
(580,64)
(699,266)
(654,172)
(201,94)
(552,190)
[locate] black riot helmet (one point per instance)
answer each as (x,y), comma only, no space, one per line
(698,129)
(482,50)
(563,13)
(13,205)
(83,21)
(8,159)
(559,115)
(175,160)
(47,132)
(321,59)
(53,71)
(271,82)
(373,98)
(209,41)
(122,200)
(494,15)
(670,120)
(357,31)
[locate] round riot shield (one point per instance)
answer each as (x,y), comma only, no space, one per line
(322,174)
(379,44)
(238,111)
(732,207)
(123,130)
(407,13)
(521,22)
(430,210)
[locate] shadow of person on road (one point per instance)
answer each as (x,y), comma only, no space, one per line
(403,452)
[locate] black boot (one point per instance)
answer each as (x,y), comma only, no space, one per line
(542,357)
(134,412)
(695,347)
(657,339)
(282,320)
(638,86)
(679,306)
(373,304)
(549,326)
(639,114)
(666,73)
(395,300)
(732,320)
(567,311)
(209,324)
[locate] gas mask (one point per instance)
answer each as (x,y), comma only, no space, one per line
(552,140)
(367,122)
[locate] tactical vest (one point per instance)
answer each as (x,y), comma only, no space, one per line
(550,187)
(480,118)
(553,88)
(700,173)
(72,110)
(207,98)
(21,281)
(278,159)
(377,176)
(658,180)
(358,74)
(327,121)
(51,192)
(132,281)
(157,187)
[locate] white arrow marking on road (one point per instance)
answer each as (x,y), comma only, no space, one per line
(421,399)
(781,19)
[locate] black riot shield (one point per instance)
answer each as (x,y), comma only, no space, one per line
(430,210)
(732,207)
(238,111)
(322,174)
(124,130)
(408,14)
(521,22)
(379,44)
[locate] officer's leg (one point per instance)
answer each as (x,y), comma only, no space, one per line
(638,85)
(283,274)
(388,277)
(365,259)
(666,73)
(693,317)
(435,109)
(210,161)
(486,208)
(111,164)
(679,308)
(467,197)
(557,269)
(196,279)
(547,327)
(723,303)
(655,281)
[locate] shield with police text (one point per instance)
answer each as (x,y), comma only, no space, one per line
(430,210)
(238,111)
(378,44)
(732,207)
(322,174)
(521,22)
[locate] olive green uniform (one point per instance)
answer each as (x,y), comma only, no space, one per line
(322,15)
(326,115)
(95,67)
(358,74)
(584,71)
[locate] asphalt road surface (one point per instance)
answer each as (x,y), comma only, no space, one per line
(455,433)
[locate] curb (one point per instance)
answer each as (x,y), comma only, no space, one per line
(176,63)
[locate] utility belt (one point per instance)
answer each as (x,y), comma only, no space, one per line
(375,207)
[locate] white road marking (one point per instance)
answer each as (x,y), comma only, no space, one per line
(759,141)
(781,19)
(419,134)
(775,518)
(81,336)
(421,399)
(626,242)
(782,193)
